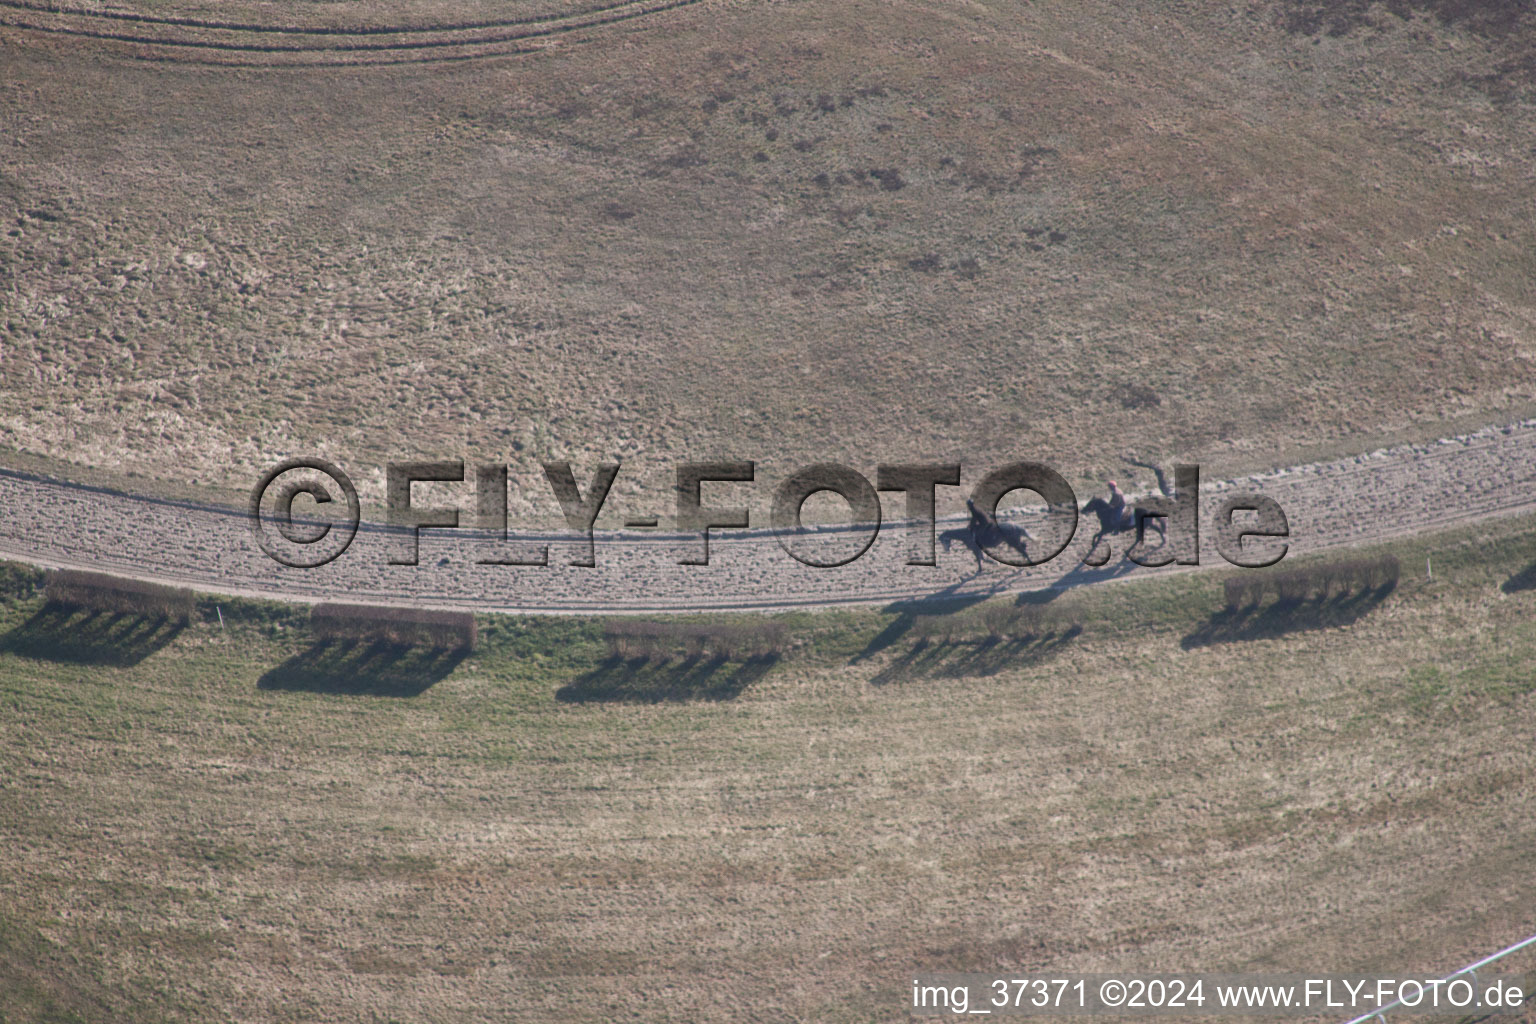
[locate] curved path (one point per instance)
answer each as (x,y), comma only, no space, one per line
(1347,502)
(199,40)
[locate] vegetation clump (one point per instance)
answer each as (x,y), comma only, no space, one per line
(405,626)
(1314,583)
(993,622)
(661,641)
(101,592)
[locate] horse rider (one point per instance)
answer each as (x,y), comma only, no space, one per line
(1123,515)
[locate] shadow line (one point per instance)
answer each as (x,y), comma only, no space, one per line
(957,659)
(377,668)
(1279,618)
(85,637)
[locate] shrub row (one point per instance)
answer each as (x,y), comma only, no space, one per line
(394,625)
(659,641)
(1317,582)
(100,592)
(995,621)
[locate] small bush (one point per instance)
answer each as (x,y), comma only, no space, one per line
(942,629)
(19,582)
(1323,582)
(98,591)
(408,626)
(993,622)
(1241,592)
(660,641)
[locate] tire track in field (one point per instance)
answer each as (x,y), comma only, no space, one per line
(167,38)
(1365,499)
(317,30)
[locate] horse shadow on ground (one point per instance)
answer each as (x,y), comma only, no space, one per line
(1259,622)
(1083,574)
(85,637)
(1525,579)
(367,668)
(958,659)
(650,681)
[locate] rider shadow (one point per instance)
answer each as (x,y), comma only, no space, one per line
(1525,579)
(621,680)
(1260,622)
(950,659)
(1083,573)
(364,668)
(86,637)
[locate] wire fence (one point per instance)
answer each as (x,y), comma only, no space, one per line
(1471,969)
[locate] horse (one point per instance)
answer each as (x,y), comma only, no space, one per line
(1111,524)
(984,531)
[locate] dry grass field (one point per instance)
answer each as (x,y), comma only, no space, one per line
(1240,234)
(788,231)
(203,825)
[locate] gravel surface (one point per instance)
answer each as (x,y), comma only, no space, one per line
(1353,501)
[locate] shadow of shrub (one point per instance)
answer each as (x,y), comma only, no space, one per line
(907,612)
(956,659)
(668,638)
(402,626)
(1525,579)
(85,637)
(652,681)
(1281,617)
(377,668)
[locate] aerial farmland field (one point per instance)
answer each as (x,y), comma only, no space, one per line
(484,525)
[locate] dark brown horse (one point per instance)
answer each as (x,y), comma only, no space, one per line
(984,531)
(1112,522)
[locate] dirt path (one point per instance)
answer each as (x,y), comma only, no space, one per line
(1353,501)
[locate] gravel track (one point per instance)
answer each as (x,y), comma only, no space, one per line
(1363,499)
